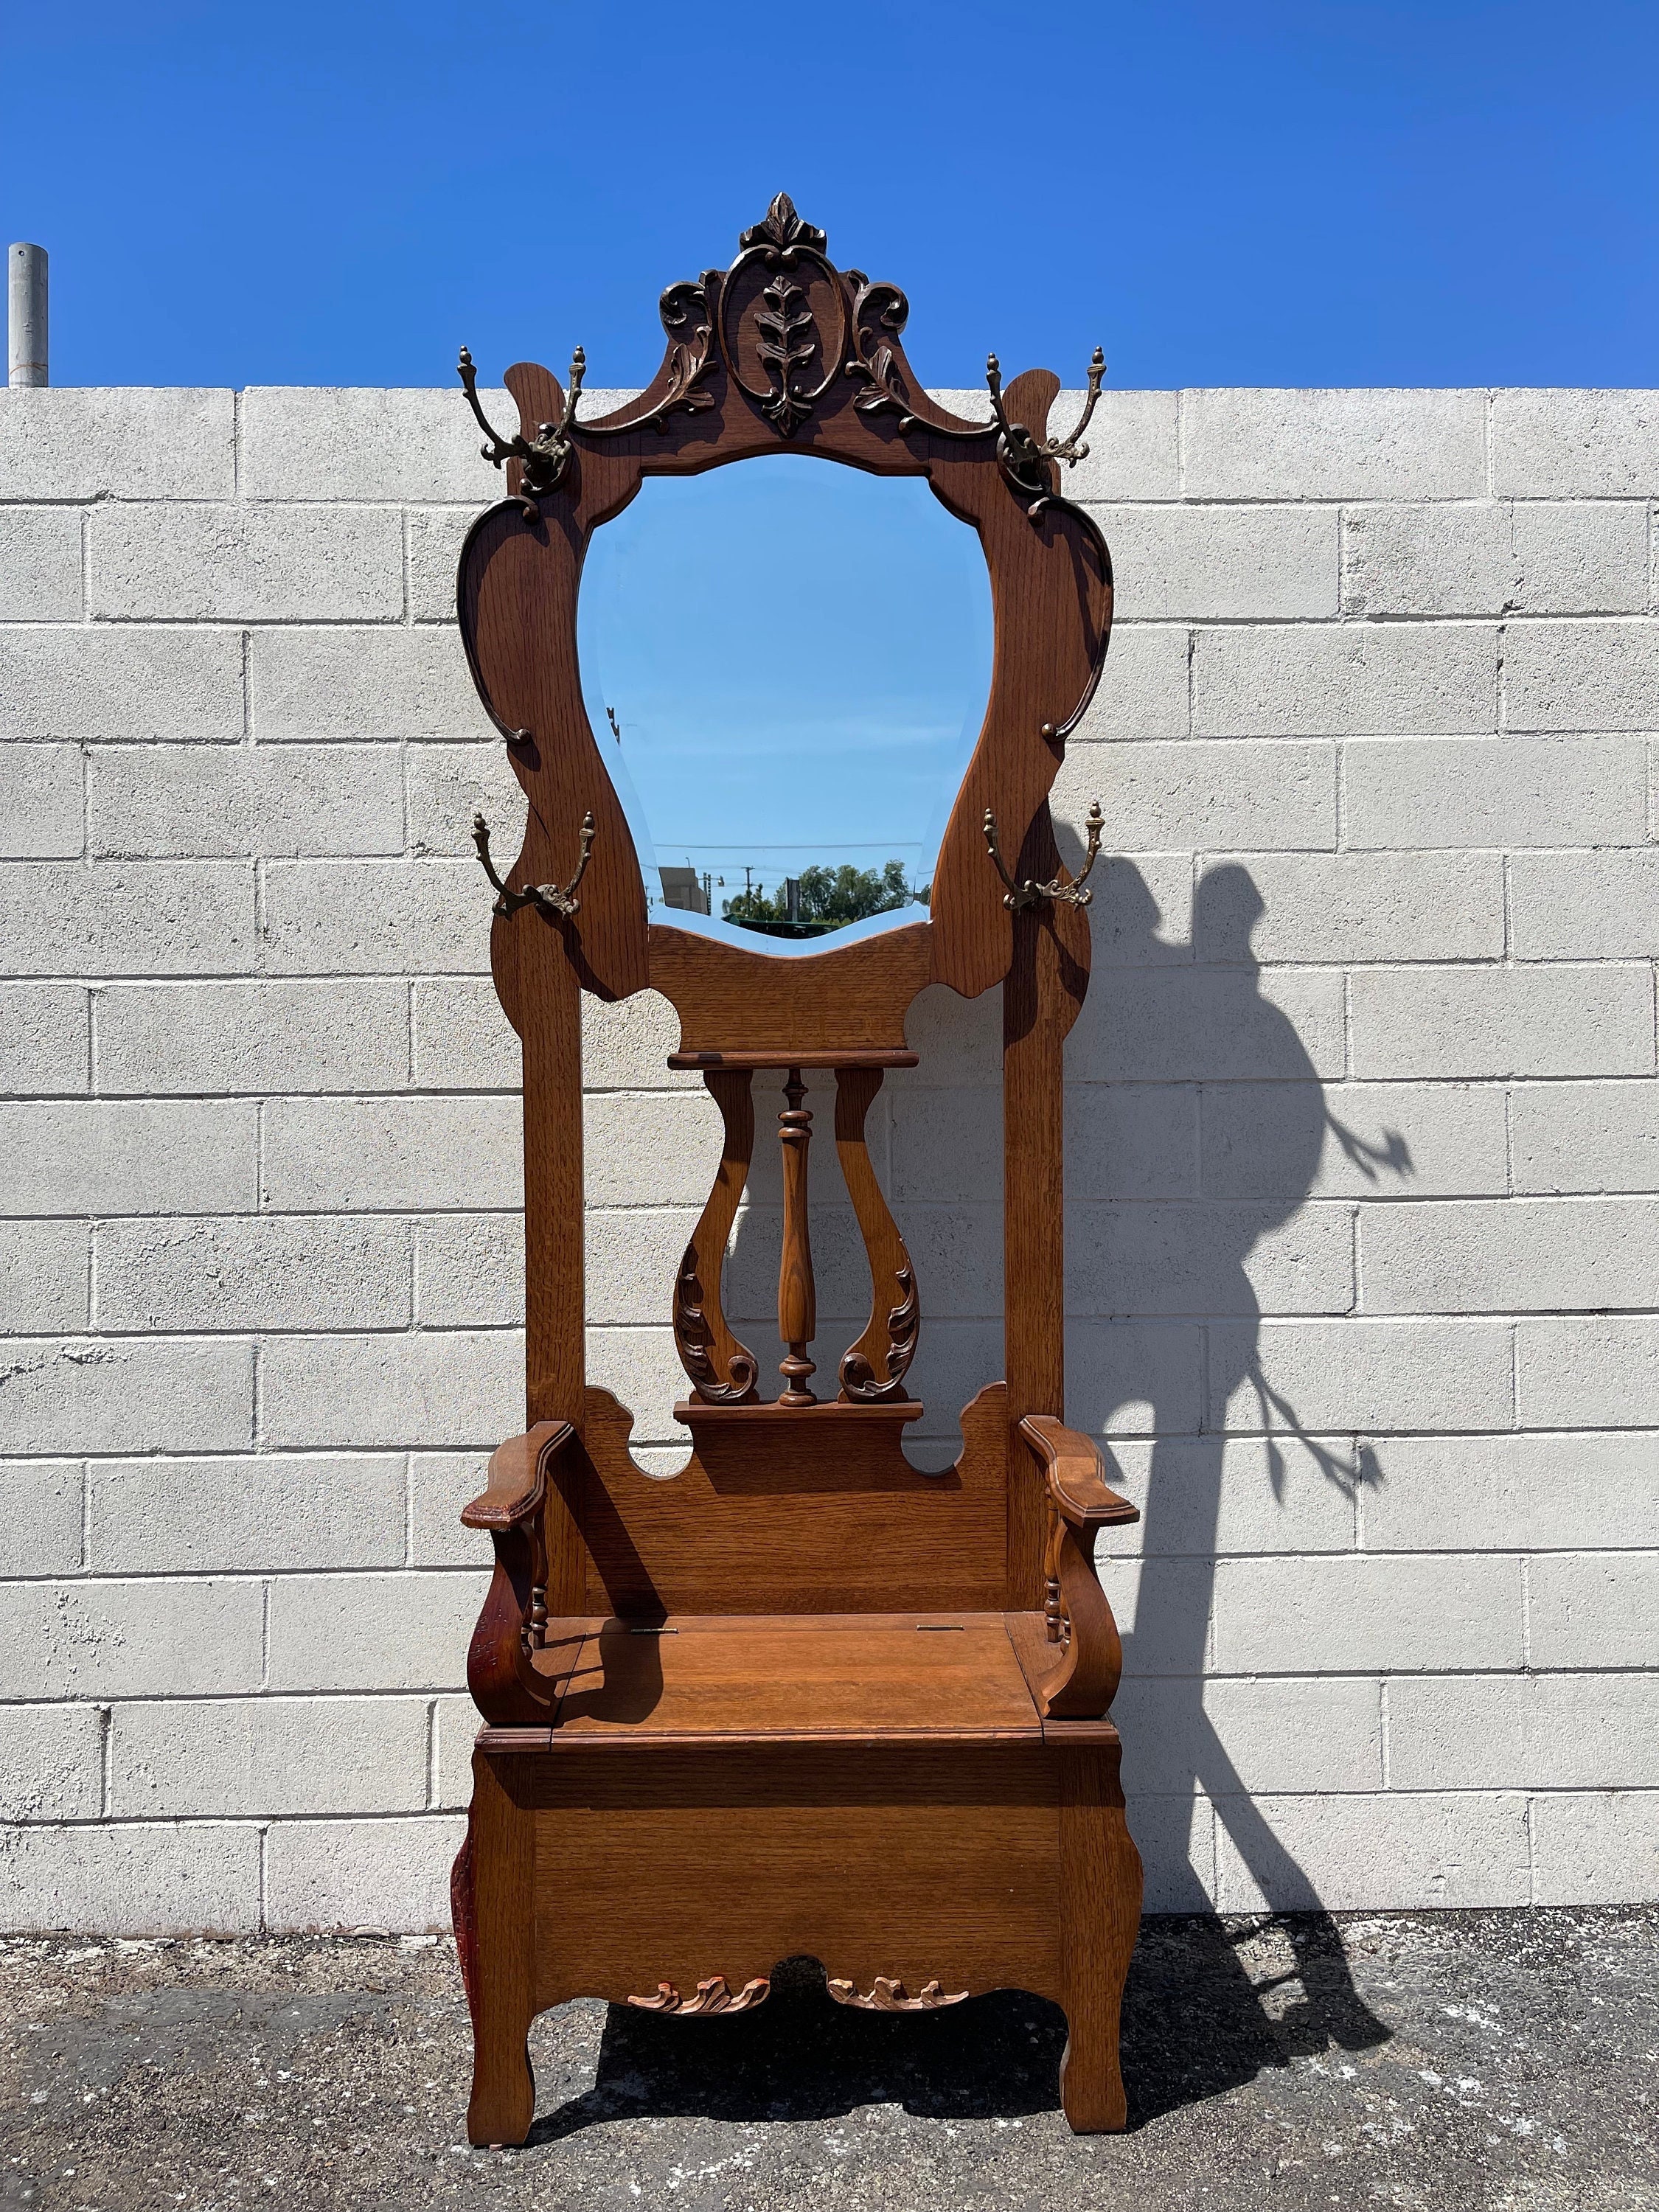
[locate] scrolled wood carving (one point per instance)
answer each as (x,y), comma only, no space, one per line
(872,1371)
(721,1370)
(712,1996)
(781,305)
(890,1996)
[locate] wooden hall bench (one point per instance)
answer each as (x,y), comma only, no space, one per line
(799,1698)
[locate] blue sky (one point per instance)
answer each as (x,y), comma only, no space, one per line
(1436,193)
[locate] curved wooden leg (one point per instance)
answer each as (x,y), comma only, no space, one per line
(1100,1887)
(491,1895)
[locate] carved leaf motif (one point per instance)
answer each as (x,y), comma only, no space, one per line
(782,228)
(712,1996)
(889,1996)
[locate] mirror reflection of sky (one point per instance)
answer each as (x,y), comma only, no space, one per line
(798,655)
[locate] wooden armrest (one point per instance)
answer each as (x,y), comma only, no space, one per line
(517,1479)
(1072,1464)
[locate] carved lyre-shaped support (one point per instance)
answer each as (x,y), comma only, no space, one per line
(722,1371)
(872,1369)
(1080,1615)
(798,1316)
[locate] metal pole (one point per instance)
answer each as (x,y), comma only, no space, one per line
(26,315)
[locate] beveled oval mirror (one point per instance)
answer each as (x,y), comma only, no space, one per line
(786,662)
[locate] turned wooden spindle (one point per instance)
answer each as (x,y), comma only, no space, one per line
(798,1318)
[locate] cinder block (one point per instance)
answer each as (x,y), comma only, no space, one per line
(1516,1493)
(354,1873)
(1218,797)
(1368,1615)
(1381,1140)
(117,441)
(1510,1255)
(1592,1609)
(1332,445)
(462,1040)
(133,1879)
(51,1762)
(435,535)
(1587,1372)
(1524,1732)
(1176,1838)
(254,1271)
(1586,906)
(945,1142)
(1142,693)
(246,1516)
(1585,1136)
(306,1035)
(626,1044)
(959,1041)
(1340,679)
(1502,792)
(455,1724)
(44,1278)
(135,683)
(1394,1853)
(1131,1378)
(138,1156)
(1122,1141)
(393,1154)
(44,1037)
(233,1756)
(1223,1737)
(447,785)
(642,1369)
(124,1639)
(130,917)
(458,1388)
(40,560)
(1125,1262)
(440,1485)
(468,1272)
(1350,1376)
(651,1151)
(1580,675)
(1222,563)
(1133,448)
(1429,560)
(267,801)
(1204,1497)
(395,917)
(633,1253)
(1162,1607)
(342,682)
(1352,907)
(40,1508)
(1474,1021)
(304,441)
(1141,915)
(1558,444)
(409,1631)
(238,563)
(1582,560)
(89,1394)
(41,804)
(1596,1848)
(1208,1025)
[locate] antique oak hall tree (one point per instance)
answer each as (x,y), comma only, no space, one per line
(799,1698)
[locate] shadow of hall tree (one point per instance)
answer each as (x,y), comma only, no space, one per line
(861,1712)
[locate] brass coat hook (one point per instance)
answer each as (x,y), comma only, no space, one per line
(548,896)
(1018,897)
(1025,458)
(546,456)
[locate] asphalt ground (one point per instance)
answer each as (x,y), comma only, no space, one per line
(1482,2061)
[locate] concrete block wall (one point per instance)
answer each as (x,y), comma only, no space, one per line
(1364,1151)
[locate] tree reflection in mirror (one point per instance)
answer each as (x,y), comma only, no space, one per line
(786,662)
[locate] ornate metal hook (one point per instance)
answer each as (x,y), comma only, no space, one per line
(548,896)
(1024,459)
(1018,897)
(546,456)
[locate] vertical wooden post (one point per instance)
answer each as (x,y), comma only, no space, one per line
(1041,1000)
(798,1319)
(497,1920)
(1100,1891)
